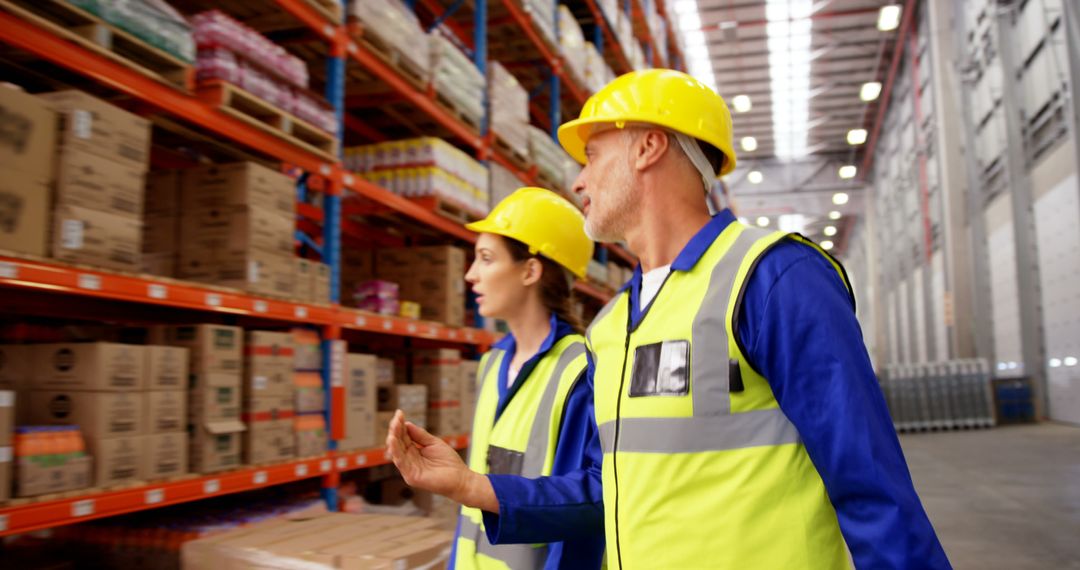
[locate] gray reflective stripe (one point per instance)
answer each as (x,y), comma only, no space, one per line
(493,357)
(537,447)
(516,556)
(700,433)
(709,352)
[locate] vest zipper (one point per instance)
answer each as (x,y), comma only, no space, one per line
(618,423)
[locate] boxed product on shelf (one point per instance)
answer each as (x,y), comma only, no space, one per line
(440,371)
(548,156)
(360,371)
(162,195)
(165,411)
(7,438)
(166,367)
(24,213)
(215,445)
(161,264)
(237,184)
(268,440)
(89,366)
(542,13)
(572,43)
(211,348)
(116,459)
(308,349)
(256,271)
(469,386)
(311,436)
(357,265)
(320,283)
(377,289)
(165,455)
(98,414)
(386,307)
(384,372)
(213,29)
(393,24)
(214,397)
(152,21)
(29,143)
(509,107)
(161,234)
(409,398)
(91,237)
(270,356)
(596,69)
(409,310)
(50,459)
(304,280)
(315,110)
(110,186)
(236,228)
(310,396)
(455,78)
(432,276)
(94,126)
(503,183)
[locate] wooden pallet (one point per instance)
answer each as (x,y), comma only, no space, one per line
(516,156)
(242,105)
(446,209)
(417,76)
(330,9)
(452,108)
(91,32)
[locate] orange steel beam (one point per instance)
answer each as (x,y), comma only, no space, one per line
(405,206)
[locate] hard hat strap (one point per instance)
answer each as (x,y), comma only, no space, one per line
(697,157)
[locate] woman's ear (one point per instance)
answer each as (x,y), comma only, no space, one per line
(534,270)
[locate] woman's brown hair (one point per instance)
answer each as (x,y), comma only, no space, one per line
(556,286)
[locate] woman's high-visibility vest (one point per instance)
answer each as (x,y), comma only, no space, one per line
(522,442)
(701,467)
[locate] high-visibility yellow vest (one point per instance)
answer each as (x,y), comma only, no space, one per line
(701,468)
(522,442)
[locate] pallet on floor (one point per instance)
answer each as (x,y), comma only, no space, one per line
(369,38)
(241,104)
(91,32)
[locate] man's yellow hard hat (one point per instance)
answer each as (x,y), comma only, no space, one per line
(662,97)
(546,222)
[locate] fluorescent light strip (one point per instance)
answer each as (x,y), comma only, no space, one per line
(696,50)
(789,40)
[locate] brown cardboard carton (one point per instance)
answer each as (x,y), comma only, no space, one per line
(16,365)
(409,398)
(165,455)
(269,354)
(268,406)
(166,367)
(359,402)
(470,369)
(309,392)
(236,228)
(90,124)
(7,418)
(90,366)
(88,181)
(255,271)
(90,237)
(308,349)
(211,403)
(28,144)
(445,420)
(384,372)
(116,459)
(215,445)
(239,184)
(24,213)
(311,436)
(212,348)
(440,371)
(166,411)
(320,283)
(98,414)
(305,280)
(161,234)
(37,476)
(357,266)
(6,472)
(163,192)
(163,264)
(432,276)
(270,440)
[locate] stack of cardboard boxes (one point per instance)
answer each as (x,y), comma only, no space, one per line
(161,223)
(7,430)
(165,405)
(360,373)
(101,169)
(432,276)
(440,371)
(310,397)
(215,367)
(312,281)
(469,385)
(236,228)
(27,147)
(268,397)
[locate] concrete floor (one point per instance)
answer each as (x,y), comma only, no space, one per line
(1007,497)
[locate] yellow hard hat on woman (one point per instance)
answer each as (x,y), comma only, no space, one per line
(661,97)
(546,222)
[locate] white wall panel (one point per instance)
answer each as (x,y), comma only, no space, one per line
(1003,288)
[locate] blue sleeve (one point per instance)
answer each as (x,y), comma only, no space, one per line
(798,324)
(568,505)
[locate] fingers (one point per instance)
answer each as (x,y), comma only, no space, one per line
(420,435)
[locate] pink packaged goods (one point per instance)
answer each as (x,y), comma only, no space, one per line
(380,289)
(314,111)
(214,29)
(387,307)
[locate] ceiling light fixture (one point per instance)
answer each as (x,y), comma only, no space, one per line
(834,215)
(830,231)
(856,137)
(870,91)
(789,40)
(749,144)
(755,177)
(848,171)
(742,103)
(889,18)
(763,221)
(840,198)
(826,245)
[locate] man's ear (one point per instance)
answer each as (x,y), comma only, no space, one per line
(649,148)
(534,271)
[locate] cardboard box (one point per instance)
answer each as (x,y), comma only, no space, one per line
(162,193)
(212,402)
(320,283)
(165,411)
(162,264)
(311,436)
(236,228)
(86,180)
(28,143)
(16,365)
(305,280)
(470,385)
(270,440)
(440,371)
(92,125)
(268,406)
(445,420)
(7,418)
(165,455)
(432,276)
(357,266)
(239,184)
(116,459)
(166,367)
(308,348)
(24,213)
(212,348)
(384,372)
(215,445)
(409,398)
(161,234)
(90,237)
(255,271)
(310,396)
(98,414)
(270,354)
(360,402)
(40,476)
(90,366)
(7,469)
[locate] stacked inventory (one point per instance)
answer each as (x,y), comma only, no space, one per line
(456,79)
(379,297)
(48,459)
(509,109)
(236,229)
(7,429)
(312,281)
(572,44)
(440,371)
(232,52)
(152,21)
(269,404)
(357,267)
(597,72)
(394,25)
(161,223)
(423,167)
(102,161)
(470,370)
(165,405)
(549,157)
(542,13)
(432,276)
(215,373)
(309,425)
(26,157)
(360,372)
(503,183)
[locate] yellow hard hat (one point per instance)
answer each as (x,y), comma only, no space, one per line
(546,222)
(662,97)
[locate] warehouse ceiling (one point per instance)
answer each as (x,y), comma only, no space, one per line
(801,77)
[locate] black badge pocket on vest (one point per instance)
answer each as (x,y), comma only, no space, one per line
(661,369)
(502,461)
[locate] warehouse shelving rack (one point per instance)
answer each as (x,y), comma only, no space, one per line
(71,290)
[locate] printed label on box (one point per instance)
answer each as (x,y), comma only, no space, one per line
(72,233)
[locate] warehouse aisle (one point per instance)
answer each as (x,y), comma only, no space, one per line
(1002,498)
